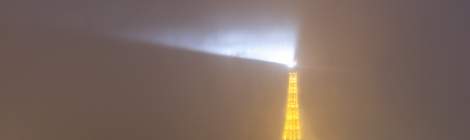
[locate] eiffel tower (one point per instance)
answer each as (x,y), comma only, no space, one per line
(292,119)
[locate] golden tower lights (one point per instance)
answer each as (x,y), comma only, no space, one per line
(292,126)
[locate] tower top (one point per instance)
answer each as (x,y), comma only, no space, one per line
(292,128)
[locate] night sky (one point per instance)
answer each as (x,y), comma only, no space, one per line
(97,70)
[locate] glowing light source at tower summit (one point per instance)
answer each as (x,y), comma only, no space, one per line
(256,30)
(271,43)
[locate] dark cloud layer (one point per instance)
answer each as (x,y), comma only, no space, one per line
(370,69)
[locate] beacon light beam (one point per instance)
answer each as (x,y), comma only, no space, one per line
(271,43)
(257,30)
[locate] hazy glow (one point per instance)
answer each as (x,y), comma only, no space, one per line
(291,64)
(257,30)
(292,119)
(271,42)
(276,46)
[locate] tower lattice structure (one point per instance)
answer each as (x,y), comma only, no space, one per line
(292,128)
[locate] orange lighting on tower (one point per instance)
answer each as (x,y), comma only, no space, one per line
(292,119)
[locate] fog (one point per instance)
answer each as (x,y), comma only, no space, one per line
(203,69)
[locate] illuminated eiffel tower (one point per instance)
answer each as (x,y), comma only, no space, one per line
(292,126)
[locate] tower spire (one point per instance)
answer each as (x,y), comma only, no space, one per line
(292,119)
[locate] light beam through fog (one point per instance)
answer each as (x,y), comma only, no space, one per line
(272,45)
(260,32)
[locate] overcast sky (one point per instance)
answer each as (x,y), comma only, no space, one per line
(369,69)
